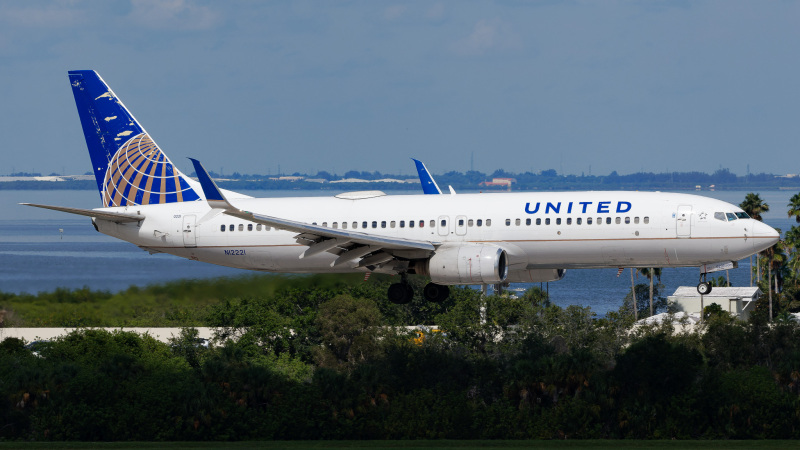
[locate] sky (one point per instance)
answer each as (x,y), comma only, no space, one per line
(582,87)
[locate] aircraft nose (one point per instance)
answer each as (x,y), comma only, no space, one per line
(765,236)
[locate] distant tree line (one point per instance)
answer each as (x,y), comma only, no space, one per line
(722,179)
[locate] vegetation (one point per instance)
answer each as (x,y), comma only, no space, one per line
(315,358)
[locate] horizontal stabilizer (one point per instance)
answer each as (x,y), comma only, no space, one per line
(105,215)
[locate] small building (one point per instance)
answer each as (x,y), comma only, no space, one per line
(739,301)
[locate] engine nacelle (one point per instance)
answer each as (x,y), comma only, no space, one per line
(536,275)
(465,264)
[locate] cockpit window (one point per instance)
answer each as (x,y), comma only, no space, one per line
(720,216)
(742,215)
(731,216)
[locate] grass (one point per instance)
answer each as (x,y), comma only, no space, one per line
(567,444)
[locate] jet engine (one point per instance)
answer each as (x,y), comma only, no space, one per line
(467,264)
(535,275)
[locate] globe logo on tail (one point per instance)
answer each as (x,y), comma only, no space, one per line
(141,174)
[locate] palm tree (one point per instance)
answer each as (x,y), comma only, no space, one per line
(753,205)
(792,243)
(650,273)
(794,207)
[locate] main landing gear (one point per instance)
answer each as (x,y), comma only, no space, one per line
(402,292)
(703,287)
(436,292)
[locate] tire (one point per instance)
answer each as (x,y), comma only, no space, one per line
(400,293)
(704,288)
(436,292)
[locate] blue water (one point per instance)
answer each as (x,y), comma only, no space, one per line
(36,256)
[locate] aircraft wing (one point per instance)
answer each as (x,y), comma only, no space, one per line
(373,250)
(105,215)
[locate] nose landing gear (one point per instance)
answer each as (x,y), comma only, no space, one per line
(703,287)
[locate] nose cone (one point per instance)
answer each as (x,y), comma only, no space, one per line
(764,236)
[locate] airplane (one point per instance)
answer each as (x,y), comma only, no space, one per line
(465,239)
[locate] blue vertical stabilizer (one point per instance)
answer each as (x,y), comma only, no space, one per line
(129,167)
(429,186)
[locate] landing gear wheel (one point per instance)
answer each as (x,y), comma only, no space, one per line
(436,292)
(704,288)
(400,293)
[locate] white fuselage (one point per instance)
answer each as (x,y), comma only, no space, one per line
(538,230)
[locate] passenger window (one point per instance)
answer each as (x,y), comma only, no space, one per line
(421,223)
(488,222)
(344,225)
(230,227)
(249,227)
(547,221)
(578,221)
(636,219)
(569,220)
(527,221)
(324,224)
(258,227)
(538,221)
(444,223)
(461,222)
(646,219)
(410,224)
(363,224)
(558,221)
(731,216)
(508,222)
(480,222)
(374,224)
(383,224)
(470,223)
(392,224)
(588,221)
(241,227)
(335,224)
(433,223)
(222,227)
(627,220)
(402,224)
(608,220)
(599,220)
(517,222)
(355,225)
(618,220)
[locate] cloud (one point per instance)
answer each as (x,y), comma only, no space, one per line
(435,12)
(174,14)
(57,14)
(394,12)
(488,35)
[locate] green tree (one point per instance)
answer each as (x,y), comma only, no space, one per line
(754,206)
(794,207)
(350,330)
(651,273)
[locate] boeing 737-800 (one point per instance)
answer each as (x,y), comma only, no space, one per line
(465,239)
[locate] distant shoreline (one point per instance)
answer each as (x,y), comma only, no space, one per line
(271,185)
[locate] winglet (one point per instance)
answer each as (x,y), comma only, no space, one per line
(429,186)
(213,194)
